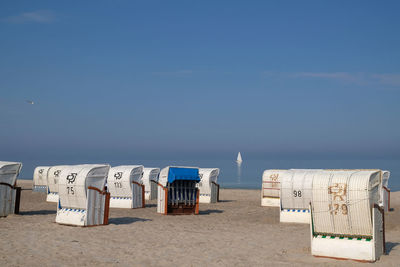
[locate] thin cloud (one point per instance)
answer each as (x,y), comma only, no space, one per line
(173,73)
(333,75)
(38,16)
(359,78)
(388,79)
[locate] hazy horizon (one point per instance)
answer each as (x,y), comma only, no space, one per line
(156,80)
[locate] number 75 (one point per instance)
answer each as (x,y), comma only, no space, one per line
(70,190)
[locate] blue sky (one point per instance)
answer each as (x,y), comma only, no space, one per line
(158,79)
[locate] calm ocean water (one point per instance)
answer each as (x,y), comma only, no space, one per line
(247,175)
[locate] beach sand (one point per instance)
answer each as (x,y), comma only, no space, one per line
(234,232)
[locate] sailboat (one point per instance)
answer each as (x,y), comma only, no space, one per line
(239,158)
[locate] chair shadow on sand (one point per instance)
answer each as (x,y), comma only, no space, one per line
(208,212)
(390,246)
(38,212)
(126,220)
(226,201)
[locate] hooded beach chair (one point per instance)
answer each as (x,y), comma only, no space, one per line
(177,190)
(295,198)
(271,187)
(385,192)
(125,187)
(40,179)
(83,200)
(208,186)
(346,220)
(53,175)
(10,194)
(150,180)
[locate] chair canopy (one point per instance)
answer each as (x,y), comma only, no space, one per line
(342,201)
(172,173)
(9,172)
(75,180)
(271,181)
(53,176)
(296,186)
(120,179)
(40,175)
(150,174)
(207,176)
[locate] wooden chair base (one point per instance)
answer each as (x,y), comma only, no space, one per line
(181,209)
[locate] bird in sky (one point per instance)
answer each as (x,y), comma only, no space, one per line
(30,102)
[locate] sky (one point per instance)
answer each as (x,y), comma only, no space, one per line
(170,79)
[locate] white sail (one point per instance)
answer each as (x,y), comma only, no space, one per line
(239,158)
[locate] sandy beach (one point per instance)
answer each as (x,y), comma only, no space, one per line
(236,231)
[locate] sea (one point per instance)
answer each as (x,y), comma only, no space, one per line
(247,175)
